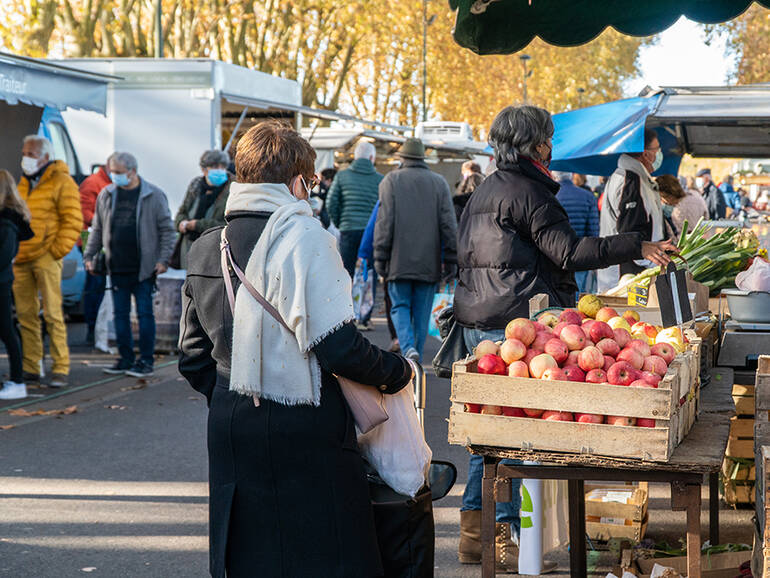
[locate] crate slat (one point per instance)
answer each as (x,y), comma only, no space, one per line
(737,448)
(741,428)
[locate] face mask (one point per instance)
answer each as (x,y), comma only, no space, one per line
(120,179)
(658,161)
(29,165)
(699,182)
(217,177)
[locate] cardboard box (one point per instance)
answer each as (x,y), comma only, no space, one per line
(730,561)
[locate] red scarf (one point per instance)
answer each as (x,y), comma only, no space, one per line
(540,166)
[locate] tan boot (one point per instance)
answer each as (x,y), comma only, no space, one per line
(469,551)
(506,552)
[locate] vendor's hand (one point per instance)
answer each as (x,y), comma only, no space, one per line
(191,224)
(658,252)
(160,268)
(183,227)
(89,266)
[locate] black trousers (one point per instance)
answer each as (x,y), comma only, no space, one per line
(349,242)
(9,332)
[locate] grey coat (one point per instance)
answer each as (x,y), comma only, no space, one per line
(154,228)
(416,228)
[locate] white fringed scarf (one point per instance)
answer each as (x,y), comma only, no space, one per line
(297,268)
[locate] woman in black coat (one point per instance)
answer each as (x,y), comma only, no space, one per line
(288,493)
(515,242)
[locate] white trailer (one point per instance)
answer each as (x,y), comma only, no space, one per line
(167,112)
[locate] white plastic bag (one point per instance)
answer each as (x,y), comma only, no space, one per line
(363,290)
(755,278)
(396,449)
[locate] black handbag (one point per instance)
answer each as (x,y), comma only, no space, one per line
(452,345)
(175,261)
(100,264)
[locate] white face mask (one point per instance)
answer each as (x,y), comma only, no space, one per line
(29,165)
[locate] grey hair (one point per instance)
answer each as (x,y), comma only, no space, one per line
(365,150)
(45,146)
(519,130)
(126,159)
(214,158)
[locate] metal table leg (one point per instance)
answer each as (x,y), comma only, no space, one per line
(714,508)
(488,508)
(577,529)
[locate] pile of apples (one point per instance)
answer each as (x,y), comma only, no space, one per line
(575,347)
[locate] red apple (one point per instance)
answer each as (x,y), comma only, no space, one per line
(492,365)
(591,358)
(540,327)
(473,407)
(641,383)
(518,369)
(574,337)
(600,330)
(557,349)
(531,354)
(621,373)
(586,325)
(589,418)
(572,359)
(514,412)
(596,376)
(554,374)
(605,314)
(486,347)
(645,422)
(632,356)
(607,347)
(622,337)
(655,364)
(589,343)
(491,410)
(665,351)
(631,316)
(652,378)
(574,373)
(570,317)
(620,420)
(521,329)
(558,327)
(539,364)
(641,346)
(558,416)
(609,361)
(512,350)
(541,339)
(533,412)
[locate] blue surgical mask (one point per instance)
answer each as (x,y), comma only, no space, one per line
(658,161)
(217,177)
(120,179)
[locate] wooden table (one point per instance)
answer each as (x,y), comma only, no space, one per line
(697,458)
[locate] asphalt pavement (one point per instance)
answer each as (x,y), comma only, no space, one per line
(107,477)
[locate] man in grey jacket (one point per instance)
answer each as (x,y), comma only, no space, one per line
(415,233)
(132,224)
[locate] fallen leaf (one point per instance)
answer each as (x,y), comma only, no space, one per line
(7,426)
(142,381)
(88,569)
(121,407)
(137,386)
(24,413)
(192,398)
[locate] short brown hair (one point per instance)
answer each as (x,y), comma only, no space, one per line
(670,189)
(273,152)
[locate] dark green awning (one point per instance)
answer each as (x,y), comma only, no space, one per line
(507,26)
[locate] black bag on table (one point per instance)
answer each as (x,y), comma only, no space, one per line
(453,345)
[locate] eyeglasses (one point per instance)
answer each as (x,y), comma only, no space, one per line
(312,182)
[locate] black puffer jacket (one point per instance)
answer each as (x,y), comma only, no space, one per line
(515,241)
(13,228)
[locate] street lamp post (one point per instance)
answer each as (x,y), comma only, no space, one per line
(524,58)
(158,29)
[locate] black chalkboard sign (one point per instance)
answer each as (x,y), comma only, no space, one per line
(673,300)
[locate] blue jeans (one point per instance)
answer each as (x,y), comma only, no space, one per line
(505,511)
(412,301)
(123,286)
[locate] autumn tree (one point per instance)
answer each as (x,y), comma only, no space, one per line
(748,39)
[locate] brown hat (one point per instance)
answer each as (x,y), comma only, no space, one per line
(412,149)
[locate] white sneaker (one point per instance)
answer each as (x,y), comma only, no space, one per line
(13,390)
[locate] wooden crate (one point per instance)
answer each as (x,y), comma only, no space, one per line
(635,510)
(743,397)
(673,405)
(598,531)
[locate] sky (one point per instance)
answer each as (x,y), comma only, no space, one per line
(681,58)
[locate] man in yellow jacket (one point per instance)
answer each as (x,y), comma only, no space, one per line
(54,202)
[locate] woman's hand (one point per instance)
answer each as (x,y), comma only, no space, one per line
(658,252)
(183,227)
